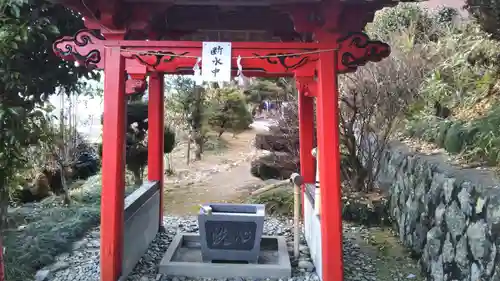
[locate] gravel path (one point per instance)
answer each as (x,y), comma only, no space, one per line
(83,263)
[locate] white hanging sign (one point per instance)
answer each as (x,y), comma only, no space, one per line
(216,62)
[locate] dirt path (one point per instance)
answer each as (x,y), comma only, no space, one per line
(221,175)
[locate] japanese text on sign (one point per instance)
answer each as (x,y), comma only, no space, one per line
(216,62)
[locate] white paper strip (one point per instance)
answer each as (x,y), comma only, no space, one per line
(198,80)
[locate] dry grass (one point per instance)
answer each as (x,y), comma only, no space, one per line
(475,111)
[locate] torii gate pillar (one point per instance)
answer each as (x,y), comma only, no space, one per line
(325,89)
(155,133)
(113,163)
(327,111)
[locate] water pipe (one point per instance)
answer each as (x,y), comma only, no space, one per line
(317,190)
(207,210)
(297,181)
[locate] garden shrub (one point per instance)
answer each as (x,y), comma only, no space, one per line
(357,207)
(430,131)
(477,140)
(454,141)
(467,71)
(366,209)
(278,201)
(403,17)
(276,165)
(444,126)
(378,96)
(485,138)
(486,12)
(425,127)
(228,111)
(214,143)
(446,15)
(464,79)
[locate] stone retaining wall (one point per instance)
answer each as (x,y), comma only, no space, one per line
(449,217)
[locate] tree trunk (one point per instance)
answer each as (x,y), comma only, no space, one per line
(166,163)
(137,177)
(169,162)
(188,153)
(199,146)
(197,122)
(359,174)
(4,202)
(66,197)
(2,271)
(197,154)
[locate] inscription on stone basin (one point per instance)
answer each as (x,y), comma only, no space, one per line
(230,235)
(231,232)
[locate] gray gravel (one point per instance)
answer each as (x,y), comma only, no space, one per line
(83,263)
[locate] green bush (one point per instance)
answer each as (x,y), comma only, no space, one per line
(213,143)
(443,130)
(359,208)
(477,140)
(469,67)
(228,111)
(467,70)
(486,12)
(169,140)
(425,127)
(430,131)
(278,201)
(454,139)
(485,138)
(402,18)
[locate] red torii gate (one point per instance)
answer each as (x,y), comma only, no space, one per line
(315,65)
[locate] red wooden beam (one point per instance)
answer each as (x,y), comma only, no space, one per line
(329,166)
(113,165)
(155,133)
(174,57)
(247,72)
(252,61)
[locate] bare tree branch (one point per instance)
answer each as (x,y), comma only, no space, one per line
(372,102)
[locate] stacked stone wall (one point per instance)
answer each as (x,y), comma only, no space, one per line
(449,217)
